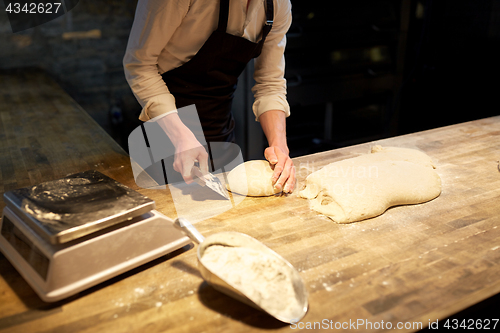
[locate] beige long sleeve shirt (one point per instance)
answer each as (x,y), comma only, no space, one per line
(167,33)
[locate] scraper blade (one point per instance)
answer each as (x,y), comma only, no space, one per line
(209,180)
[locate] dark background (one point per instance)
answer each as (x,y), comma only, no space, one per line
(437,65)
(453,65)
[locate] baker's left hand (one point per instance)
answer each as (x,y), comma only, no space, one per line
(284,171)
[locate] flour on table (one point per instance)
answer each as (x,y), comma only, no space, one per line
(263,278)
(366,186)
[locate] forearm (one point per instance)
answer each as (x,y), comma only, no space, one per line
(273,124)
(175,129)
(187,148)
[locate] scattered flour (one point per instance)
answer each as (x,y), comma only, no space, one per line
(139,291)
(266,280)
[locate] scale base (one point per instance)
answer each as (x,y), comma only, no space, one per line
(58,271)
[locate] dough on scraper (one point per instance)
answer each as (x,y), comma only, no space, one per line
(366,186)
(252,178)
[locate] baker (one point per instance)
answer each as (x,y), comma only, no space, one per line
(184,52)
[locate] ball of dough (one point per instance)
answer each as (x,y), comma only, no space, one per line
(252,178)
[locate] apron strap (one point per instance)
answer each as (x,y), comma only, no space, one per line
(224,15)
(269,19)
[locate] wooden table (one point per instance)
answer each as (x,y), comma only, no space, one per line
(413,264)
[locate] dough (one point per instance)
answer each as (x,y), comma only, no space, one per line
(252,178)
(401,154)
(366,186)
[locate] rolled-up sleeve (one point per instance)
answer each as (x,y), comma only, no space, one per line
(154,24)
(270,84)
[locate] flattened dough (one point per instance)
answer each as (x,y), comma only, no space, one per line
(252,178)
(366,186)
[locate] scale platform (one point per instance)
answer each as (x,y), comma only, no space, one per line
(67,235)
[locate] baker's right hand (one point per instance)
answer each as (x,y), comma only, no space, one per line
(188,149)
(187,152)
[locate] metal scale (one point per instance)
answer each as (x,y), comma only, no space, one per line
(69,234)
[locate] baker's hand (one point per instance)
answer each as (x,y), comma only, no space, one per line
(283,177)
(188,149)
